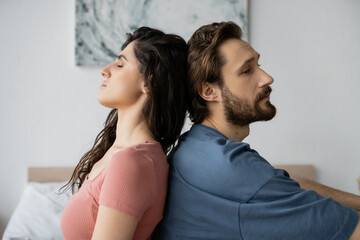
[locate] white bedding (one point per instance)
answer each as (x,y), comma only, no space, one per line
(37,215)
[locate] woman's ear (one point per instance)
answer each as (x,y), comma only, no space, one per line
(144,88)
(209,92)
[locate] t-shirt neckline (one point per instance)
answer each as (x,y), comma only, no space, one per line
(132,146)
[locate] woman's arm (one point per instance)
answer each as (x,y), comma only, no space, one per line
(112,224)
(347,199)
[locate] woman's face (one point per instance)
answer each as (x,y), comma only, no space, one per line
(123,85)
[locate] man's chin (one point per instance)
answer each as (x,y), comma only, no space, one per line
(266,112)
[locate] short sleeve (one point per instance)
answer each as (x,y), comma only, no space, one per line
(129,183)
(282,210)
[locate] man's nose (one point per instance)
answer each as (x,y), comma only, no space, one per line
(266,79)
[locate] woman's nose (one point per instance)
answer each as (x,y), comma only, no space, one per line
(105,72)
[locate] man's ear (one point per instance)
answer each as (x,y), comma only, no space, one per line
(209,92)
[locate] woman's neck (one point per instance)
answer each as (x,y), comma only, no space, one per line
(131,129)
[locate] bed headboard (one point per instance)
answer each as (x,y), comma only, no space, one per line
(59,174)
(306,171)
(49,174)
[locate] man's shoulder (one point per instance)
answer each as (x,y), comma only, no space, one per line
(210,162)
(206,148)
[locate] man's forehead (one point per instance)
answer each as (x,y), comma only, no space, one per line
(236,48)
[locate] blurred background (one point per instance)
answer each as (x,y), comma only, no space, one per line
(50,115)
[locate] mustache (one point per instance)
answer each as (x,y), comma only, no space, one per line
(264,92)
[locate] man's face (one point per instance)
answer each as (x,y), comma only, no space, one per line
(246,91)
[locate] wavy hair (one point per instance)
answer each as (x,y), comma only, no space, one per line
(163,63)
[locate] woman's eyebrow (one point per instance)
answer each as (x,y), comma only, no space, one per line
(121,56)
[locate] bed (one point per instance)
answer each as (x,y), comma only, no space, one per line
(37,215)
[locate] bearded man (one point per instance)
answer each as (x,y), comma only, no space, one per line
(220,188)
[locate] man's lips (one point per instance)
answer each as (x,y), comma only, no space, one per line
(265,93)
(266,97)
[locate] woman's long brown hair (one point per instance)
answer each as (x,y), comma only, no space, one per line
(163,63)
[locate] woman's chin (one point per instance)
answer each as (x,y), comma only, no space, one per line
(103,101)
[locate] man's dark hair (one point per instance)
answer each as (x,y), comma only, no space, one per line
(205,62)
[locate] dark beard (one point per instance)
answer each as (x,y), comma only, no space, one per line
(239,112)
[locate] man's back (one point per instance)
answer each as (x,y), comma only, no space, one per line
(222,189)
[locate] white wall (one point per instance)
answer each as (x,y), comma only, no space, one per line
(49,112)
(50,116)
(312,49)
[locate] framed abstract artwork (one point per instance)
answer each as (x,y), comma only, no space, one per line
(101,25)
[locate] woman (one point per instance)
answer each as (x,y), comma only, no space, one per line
(122,180)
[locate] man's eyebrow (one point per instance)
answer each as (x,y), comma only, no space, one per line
(251,59)
(121,56)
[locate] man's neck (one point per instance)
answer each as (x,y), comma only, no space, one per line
(235,133)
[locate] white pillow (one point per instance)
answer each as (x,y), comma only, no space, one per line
(37,215)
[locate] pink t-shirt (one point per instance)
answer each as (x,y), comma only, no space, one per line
(134,182)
